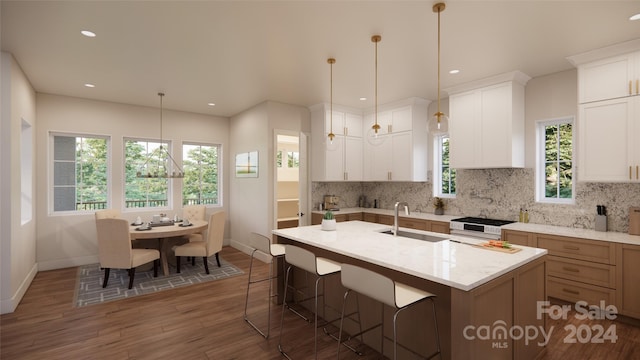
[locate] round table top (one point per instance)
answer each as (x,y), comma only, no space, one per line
(167,230)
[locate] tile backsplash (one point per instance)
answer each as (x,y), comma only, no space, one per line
(495,193)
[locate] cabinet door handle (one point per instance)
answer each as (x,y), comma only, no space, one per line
(571,247)
(570,269)
(389,129)
(637,171)
(346,131)
(630,172)
(574,292)
(630,87)
(345,176)
(637,86)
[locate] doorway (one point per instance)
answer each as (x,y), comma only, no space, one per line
(290,180)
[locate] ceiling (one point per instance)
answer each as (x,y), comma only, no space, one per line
(237,54)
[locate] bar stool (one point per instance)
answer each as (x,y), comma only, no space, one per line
(381,288)
(262,245)
(320,267)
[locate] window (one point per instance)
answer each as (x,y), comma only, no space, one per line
(555,161)
(201,165)
(444,176)
(79,173)
(293,159)
(145,192)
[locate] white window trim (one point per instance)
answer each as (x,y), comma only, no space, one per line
(437,168)
(540,160)
(50,181)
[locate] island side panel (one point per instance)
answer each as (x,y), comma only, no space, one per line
(415,325)
(481,316)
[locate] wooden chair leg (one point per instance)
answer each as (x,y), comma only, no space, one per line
(106,277)
(178,263)
(132,274)
(193,261)
(155,268)
(206,264)
(218,258)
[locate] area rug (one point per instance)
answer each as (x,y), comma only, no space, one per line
(89,289)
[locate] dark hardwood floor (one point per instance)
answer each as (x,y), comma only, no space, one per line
(198,322)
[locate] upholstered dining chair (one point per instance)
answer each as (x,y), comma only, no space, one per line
(108,214)
(204,249)
(115,251)
(194,212)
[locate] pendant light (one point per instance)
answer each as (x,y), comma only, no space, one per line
(331,144)
(373,135)
(439,123)
(160,171)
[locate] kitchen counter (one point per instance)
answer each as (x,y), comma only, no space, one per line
(589,234)
(474,287)
(458,265)
(610,236)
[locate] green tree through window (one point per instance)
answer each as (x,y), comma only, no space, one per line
(444,175)
(145,192)
(556,175)
(79,173)
(201,171)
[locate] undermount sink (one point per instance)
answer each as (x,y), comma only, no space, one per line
(418,236)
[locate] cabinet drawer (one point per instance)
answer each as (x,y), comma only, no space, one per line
(586,272)
(439,227)
(519,238)
(412,223)
(368,217)
(354,216)
(597,251)
(574,291)
(385,219)
(340,218)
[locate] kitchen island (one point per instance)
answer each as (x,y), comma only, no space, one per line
(478,290)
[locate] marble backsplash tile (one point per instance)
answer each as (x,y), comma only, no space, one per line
(495,193)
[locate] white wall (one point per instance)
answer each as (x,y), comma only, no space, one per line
(17,241)
(253,199)
(70,240)
(548,97)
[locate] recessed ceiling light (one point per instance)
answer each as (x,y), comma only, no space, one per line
(88,33)
(363,98)
(211,104)
(635,17)
(454,71)
(89,85)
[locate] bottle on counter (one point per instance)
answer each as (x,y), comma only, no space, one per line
(526,216)
(521,218)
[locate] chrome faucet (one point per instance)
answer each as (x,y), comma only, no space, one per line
(395,215)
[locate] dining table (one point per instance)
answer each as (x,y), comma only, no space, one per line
(165,232)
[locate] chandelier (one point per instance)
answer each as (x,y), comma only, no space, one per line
(439,123)
(155,167)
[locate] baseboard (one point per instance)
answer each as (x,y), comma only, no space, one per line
(248,250)
(66,263)
(10,305)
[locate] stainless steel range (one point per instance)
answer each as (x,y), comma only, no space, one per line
(478,227)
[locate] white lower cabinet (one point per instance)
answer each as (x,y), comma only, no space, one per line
(609,137)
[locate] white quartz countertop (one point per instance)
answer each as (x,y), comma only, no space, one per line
(459,265)
(589,234)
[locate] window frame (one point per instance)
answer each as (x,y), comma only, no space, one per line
(540,173)
(220,170)
(437,167)
(169,147)
(51,171)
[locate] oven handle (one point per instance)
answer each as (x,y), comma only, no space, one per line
(474,234)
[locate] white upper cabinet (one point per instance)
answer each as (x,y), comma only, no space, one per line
(342,160)
(608,124)
(486,122)
(400,154)
(609,146)
(608,73)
